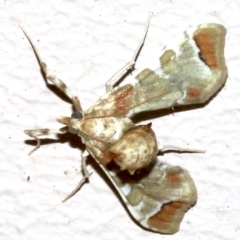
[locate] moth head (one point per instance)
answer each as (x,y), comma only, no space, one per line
(73,122)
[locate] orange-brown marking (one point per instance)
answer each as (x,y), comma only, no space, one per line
(122,98)
(193,92)
(173,177)
(204,39)
(106,157)
(170,213)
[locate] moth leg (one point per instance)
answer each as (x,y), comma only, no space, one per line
(53,79)
(35,133)
(169,148)
(130,65)
(85,177)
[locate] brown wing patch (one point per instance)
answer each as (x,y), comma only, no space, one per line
(206,41)
(194,92)
(172,177)
(121,98)
(169,217)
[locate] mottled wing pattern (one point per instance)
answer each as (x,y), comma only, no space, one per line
(189,74)
(157,197)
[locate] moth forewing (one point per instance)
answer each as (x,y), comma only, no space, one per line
(191,73)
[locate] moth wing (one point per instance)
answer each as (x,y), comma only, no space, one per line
(191,74)
(158,198)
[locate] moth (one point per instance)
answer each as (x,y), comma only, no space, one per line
(156,194)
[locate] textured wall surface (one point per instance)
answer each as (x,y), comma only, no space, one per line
(85,43)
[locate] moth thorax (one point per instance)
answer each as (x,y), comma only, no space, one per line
(136,149)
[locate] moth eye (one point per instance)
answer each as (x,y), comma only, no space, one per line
(77,115)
